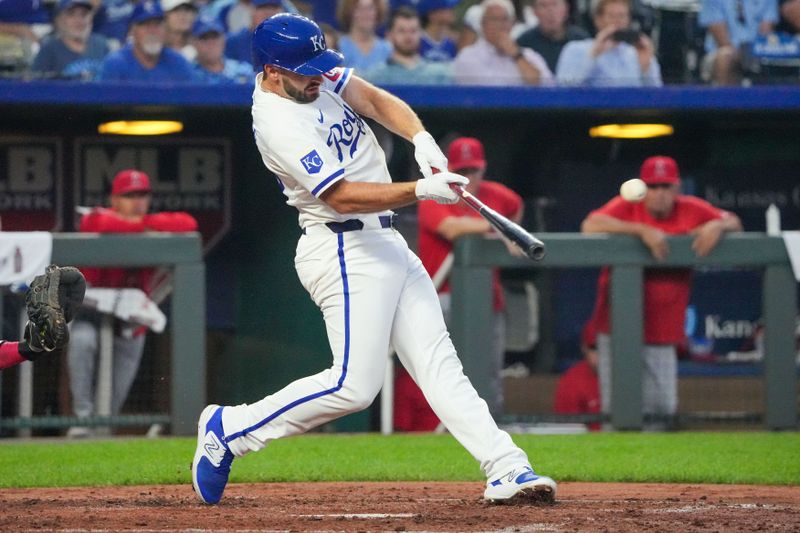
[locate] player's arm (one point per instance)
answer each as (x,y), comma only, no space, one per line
(10,355)
(398,117)
(382,106)
(653,238)
(451,228)
(356,197)
(709,234)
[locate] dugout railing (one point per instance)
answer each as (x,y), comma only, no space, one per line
(183,254)
(471,280)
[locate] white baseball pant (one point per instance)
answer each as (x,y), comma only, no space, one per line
(373,293)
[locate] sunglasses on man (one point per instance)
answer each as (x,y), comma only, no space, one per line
(659,185)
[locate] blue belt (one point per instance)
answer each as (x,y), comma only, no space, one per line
(354,224)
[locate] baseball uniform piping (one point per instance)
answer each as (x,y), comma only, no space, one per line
(326,181)
(343,81)
(346,291)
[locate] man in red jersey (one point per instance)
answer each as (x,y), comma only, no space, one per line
(130,203)
(439,226)
(664,211)
(577,391)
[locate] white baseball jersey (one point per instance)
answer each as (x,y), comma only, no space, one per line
(372,290)
(308,146)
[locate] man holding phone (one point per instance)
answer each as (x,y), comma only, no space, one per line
(618,56)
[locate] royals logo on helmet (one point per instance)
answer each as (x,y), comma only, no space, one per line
(318,41)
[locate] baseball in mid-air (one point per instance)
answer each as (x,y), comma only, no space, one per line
(633,190)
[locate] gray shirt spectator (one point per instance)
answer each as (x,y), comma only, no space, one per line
(553,31)
(73,51)
(495,59)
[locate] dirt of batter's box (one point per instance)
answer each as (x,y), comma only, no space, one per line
(356,507)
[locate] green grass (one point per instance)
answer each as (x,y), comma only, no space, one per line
(753,458)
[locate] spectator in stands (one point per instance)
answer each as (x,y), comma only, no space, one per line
(578,391)
(615,57)
(235,15)
(73,51)
(19,38)
(469,27)
(130,203)
(240,44)
(330,34)
(405,65)
(361,46)
(495,59)
(731,25)
(208,38)
(179,18)
(790,16)
(112,19)
(663,212)
(438,41)
(553,31)
(146,58)
(524,20)
(440,225)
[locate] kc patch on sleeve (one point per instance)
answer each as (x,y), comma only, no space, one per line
(312,162)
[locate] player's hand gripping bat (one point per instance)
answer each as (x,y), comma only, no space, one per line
(530,245)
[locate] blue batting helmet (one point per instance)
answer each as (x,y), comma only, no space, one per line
(295,43)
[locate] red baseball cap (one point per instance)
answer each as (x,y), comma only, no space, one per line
(465,152)
(130,180)
(660,169)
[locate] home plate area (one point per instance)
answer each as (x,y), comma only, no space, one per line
(401,506)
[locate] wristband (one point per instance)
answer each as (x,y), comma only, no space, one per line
(26,351)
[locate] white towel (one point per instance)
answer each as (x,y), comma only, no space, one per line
(792,241)
(24,255)
(130,305)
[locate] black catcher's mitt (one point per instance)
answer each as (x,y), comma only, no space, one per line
(51,303)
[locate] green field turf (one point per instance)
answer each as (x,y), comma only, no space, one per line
(753,458)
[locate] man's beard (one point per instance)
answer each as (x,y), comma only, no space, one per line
(79,35)
(298,95)
(152,49)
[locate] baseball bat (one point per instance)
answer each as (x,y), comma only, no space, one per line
(530,245)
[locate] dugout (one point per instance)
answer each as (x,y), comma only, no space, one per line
(737,147)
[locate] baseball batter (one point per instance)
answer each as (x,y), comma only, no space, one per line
(372,290)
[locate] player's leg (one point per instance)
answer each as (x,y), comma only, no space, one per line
(423,345)
(127,357)
(604,370)
(356,290)
(354,279)
(660,383)
(81,357)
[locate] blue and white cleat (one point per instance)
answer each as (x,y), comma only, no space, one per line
(212,458)
(520,485)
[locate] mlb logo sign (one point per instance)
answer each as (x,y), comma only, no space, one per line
(312,162)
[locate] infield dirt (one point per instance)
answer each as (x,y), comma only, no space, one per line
(435,507)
